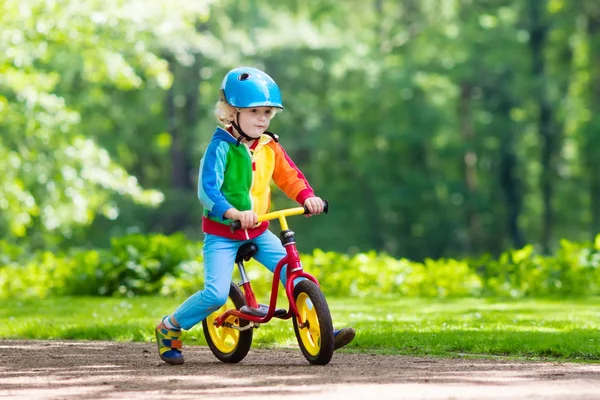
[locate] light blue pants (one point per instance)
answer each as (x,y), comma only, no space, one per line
(219,261)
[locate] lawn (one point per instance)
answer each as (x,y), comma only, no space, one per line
(533,329)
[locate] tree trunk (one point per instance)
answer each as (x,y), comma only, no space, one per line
(501,103)
(190,117)
(508,178)
(182,124)
(538,38)
(591,152)
(178,171)
(469,167)
(595,202)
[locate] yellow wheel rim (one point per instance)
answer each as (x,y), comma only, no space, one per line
(224,338)
(310,335)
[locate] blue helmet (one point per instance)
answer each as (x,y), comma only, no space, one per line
(247,87)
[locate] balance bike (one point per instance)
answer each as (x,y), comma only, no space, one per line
(228,331)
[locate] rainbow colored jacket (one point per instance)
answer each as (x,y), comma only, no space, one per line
(240,177)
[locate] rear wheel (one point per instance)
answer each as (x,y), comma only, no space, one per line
(315,337)
(228,344)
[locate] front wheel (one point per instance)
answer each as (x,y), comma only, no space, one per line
(228,344)
(315,337)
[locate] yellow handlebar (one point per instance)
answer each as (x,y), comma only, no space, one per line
(280,214)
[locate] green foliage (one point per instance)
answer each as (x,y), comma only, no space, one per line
(573,271)
(420,121)
(138,264)
(134,265)
(172,266)
(59,60)
(372,274)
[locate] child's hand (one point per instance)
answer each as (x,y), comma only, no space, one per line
(247,218)
(314,205)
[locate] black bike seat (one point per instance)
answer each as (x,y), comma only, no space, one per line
(245,252)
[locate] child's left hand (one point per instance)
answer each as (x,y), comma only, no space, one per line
(314,205)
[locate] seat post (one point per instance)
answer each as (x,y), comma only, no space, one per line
(242,270)
(245,285)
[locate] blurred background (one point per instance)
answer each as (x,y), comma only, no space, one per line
(435,128)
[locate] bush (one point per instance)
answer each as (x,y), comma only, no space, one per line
(173,266)
(134,265)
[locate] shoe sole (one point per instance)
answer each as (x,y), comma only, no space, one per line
(176,361)
(343,338)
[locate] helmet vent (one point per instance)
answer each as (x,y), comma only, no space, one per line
(243,76)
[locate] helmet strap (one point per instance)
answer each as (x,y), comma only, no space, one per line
(243,134)
(238,128)
(272,135)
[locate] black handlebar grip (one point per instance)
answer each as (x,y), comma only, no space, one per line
(325,207)
(235,225)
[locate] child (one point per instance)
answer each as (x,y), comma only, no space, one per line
(235,173)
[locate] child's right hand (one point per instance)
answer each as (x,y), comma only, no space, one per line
(247,218)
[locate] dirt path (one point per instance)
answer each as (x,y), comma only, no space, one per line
(102,370)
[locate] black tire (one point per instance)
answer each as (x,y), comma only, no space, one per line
(227,344)
(316,342)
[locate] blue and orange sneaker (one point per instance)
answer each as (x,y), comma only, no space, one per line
(169,344)
(342,337)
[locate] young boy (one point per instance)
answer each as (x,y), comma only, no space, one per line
(234,179)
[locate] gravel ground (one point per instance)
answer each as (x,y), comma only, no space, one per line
(107,370)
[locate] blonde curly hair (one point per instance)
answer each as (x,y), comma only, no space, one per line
(225,112)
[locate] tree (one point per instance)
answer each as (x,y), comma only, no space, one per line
(66,62)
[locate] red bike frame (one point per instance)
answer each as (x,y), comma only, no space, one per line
(294,271)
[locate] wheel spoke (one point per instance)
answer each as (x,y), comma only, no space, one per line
(310,334)
(223,337)
(232,335)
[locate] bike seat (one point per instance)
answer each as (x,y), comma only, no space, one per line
(245,252)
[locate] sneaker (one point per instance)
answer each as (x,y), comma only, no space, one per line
(342,337)
(169,344)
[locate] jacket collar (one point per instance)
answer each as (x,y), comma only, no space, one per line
(222,134)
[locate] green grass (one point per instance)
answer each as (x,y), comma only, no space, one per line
(532,329)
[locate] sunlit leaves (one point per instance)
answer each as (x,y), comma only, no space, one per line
(53,171)
(373,93)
